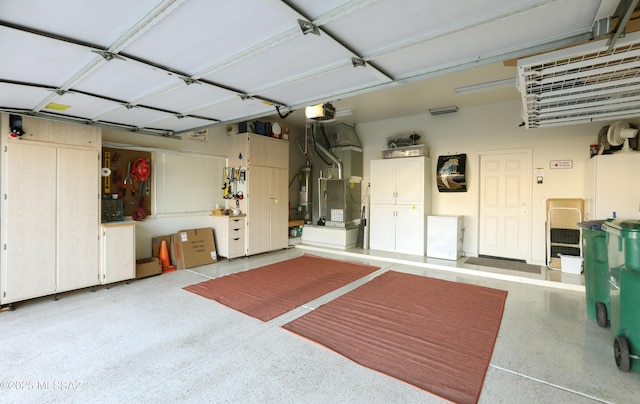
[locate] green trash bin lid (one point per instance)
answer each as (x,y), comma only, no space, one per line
(623,228)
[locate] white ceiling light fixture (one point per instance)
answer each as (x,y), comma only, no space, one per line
(490,85)
(344,112)
(443,110)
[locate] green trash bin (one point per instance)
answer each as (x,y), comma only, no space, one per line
(596,271)
(623,253)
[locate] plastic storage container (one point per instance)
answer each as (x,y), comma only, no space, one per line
(623,253)
(596,271)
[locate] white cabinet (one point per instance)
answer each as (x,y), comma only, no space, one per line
(265,201)
(397,228)
(229,235)
(50,210)
(399,181)
(444,237)
(118,253)
(611,186)
(400,201)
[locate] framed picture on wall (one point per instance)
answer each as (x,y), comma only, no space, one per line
(451,173)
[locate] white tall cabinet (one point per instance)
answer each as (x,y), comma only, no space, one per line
(265,201)
(611,186)
(49,210)
(400,203)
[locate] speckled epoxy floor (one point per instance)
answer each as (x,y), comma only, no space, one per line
(151,341)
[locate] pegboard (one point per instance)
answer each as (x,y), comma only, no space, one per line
(119,161)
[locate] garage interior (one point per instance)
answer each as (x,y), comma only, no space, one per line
(182,78)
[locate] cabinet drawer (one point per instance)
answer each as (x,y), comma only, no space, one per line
(236,224)
(236,247)
(235,233)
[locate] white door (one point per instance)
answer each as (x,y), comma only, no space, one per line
(410,180)
(410,229)
(383,179)
(505,199)
(382,224)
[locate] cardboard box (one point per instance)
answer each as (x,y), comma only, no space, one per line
(148,267)
(194,247)
(156,242)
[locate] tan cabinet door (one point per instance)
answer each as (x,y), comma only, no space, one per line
(29,210)
(78,263)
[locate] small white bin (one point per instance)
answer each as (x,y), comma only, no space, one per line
(571,264)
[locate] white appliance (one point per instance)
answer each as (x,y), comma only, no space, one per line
(444,237)
(611,185)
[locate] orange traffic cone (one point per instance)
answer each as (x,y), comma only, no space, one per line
(164,257)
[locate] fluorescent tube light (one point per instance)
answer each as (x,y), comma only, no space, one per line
(344,112)
(443,110)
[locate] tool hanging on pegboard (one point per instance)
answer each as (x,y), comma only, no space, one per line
(139,172)
(107,170)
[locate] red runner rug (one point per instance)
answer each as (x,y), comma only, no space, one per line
(434,334)
(272,290)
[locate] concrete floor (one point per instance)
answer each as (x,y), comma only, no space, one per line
(151,341)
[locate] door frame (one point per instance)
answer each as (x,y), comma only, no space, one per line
(529,172)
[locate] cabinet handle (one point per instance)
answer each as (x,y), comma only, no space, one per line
(236,239)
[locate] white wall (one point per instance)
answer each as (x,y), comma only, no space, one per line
(487,128)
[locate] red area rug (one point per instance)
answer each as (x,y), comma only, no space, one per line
(269,291)
(434,334)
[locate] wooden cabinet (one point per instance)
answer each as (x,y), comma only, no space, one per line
(118,253)
(400,203)
(50,211)
(229,235)
(265,202)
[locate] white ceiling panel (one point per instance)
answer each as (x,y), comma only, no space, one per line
(94,22)
(326,86)
(236,109)
(136,116)
(20,96)
(387,24)
(283,62)
(438,54)
(314,9)
(175,124)
(36,59)
(134,81)
(187,98)
(201,33)
(180,64)
(79,105)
